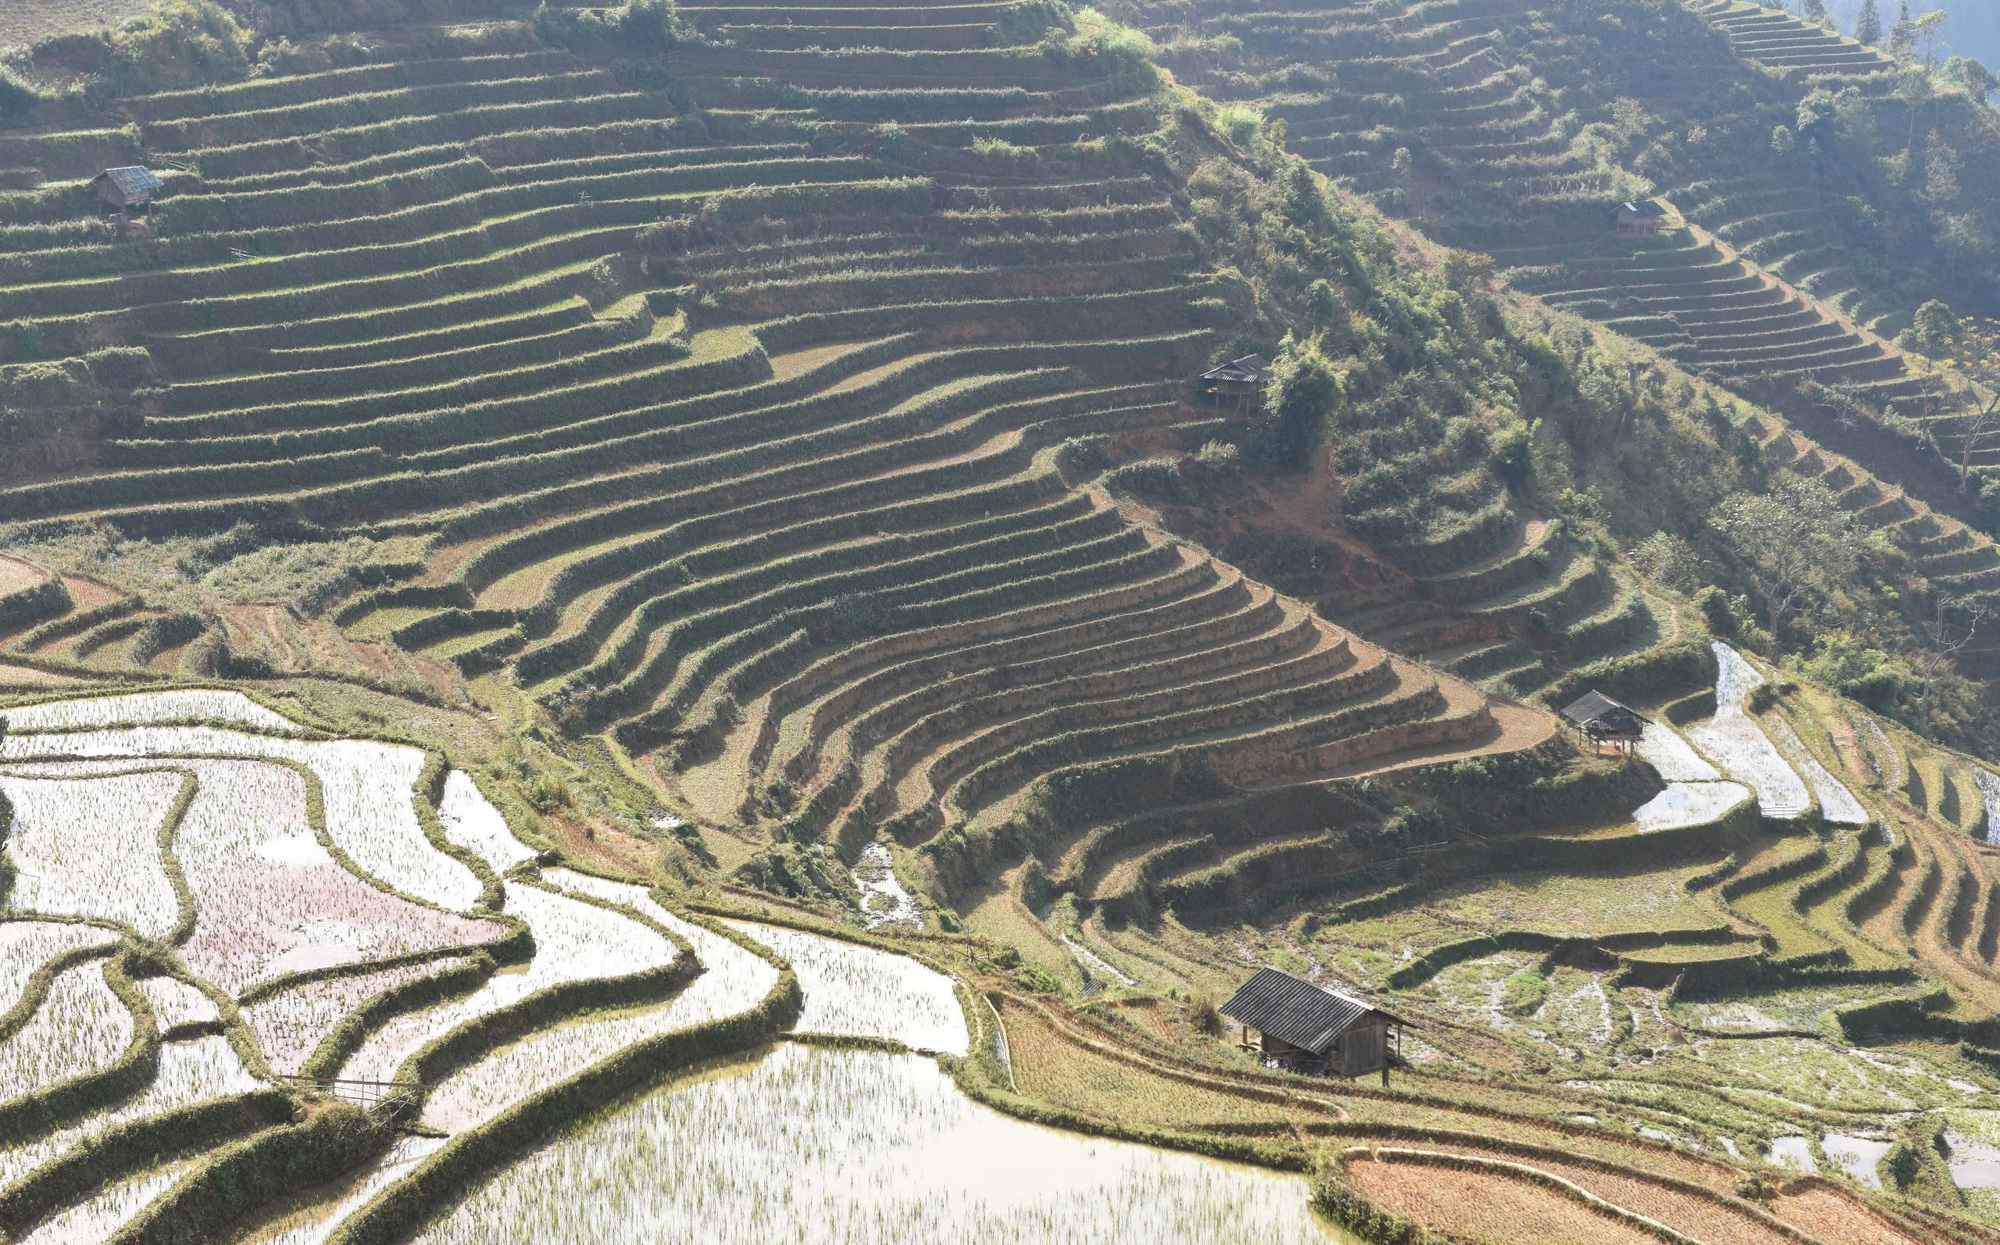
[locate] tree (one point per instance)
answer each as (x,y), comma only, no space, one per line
(1814,11)
(1929,32)
(1903,35)
(1975,432)
(1795,540)
(1303,395)
(1669,559)
(1915,90)
(1868,26)
(1943,639)
(1932,332)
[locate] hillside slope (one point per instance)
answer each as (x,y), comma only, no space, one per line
(727,423)
(1512,129)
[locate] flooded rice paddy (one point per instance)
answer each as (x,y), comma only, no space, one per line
(806,1144)
(855,991)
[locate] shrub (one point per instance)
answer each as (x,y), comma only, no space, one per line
(1030,21)
(1719,611)
(17,98)
(1154,479)
(183,44)
(1868,675)
(1083,456)
(547,794)
(1305,393)
(856,616)
(1243,124)
(636,27)
(1037,981)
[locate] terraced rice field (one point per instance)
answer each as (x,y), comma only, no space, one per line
(612,936)
(755,501)
(729,423)
(883,1143)
(1473,119)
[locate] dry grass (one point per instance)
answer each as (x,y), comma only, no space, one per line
(995,911)
(1487,1207)
(25,21)
(1836,1219)
(1697,1216)
(1568,903)
(1060,1072)
(602,844)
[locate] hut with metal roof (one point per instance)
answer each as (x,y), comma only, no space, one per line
(1238,383)
(1309,1028)
(1603,720)
(127,187)
(1642,218)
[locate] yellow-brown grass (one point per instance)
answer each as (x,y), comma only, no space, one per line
(1699,1217)
(25,21)
(1486,1206)
(1836,1218)
(1057,1071)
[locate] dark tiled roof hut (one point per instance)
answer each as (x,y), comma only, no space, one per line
(1642,218)
(1313,1029)
(1603,720)
(1238,383)
(127,187)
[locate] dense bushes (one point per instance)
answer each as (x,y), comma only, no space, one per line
(1304,396)
(636,28)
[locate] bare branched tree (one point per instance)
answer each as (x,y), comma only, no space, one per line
(1982,424)
(1795,539)
(1944,641)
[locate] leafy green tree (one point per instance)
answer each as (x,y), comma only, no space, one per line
(1303,396)
(1933,331)
(1868,25)
(1929,33)
(1903,35)
(1818,121)
(1814,11)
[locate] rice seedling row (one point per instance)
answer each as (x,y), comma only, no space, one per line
(90,847)
(81,1027)
(880,1148)
(574,942)
(190,1072)
(365,791)
(857,991)
(218,708)
(26,945)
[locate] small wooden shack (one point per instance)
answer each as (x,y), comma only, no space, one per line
(1309,1028)
(1603,720)
(1238,384)
(1642,218)
(126,188)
